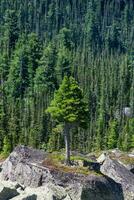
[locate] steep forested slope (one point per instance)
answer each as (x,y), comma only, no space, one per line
(43,40)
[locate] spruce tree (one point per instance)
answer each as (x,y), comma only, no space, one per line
(6,146)
(18,81)
(69,108)
(112,134)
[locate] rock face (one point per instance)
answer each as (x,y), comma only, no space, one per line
(130,167)
(121,175)
(101,158)
(38,182)
(96,188)
(24,166)
(101,188)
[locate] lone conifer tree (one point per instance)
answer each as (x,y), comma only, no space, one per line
(69,108)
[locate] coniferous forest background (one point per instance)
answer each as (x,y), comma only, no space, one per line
(41,41)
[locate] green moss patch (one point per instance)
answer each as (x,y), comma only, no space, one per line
(56,161)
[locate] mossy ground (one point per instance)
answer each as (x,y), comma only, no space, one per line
(2,157)
(123,157)
(56,161)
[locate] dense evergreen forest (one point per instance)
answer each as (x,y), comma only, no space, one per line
(41,41)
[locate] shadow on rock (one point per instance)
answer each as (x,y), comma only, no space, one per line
(33,197)
(102,188)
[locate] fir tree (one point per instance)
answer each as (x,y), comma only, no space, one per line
(69,108)
(112,134)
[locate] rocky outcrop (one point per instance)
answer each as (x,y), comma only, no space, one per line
(47,192)
(24,166)
(101,188)
(96,188)
(35,181)
(120,174)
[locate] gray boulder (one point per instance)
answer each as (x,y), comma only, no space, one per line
(24,166)
(130,167)
(101,158)
(96,188)
(120,174)
(47,192)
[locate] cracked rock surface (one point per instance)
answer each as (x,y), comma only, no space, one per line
(23,177)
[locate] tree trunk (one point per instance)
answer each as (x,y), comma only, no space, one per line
(67,143)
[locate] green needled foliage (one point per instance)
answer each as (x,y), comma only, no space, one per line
(45,78)
(128,135)
(68,105)
(41,42)
(112,135)
(7,146)
(18,74)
